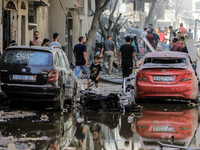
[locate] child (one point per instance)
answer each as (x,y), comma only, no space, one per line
(95,71)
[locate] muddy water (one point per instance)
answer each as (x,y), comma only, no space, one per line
(171,123)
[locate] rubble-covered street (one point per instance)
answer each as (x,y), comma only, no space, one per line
(158,123)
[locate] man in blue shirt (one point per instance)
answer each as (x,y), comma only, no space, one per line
(55,42)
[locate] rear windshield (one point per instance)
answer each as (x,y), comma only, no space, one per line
(27,57)
(165,61)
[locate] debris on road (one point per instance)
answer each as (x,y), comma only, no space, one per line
(100,102)
(15,114)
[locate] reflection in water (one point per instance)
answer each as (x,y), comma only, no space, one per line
(169,124)
(90,130)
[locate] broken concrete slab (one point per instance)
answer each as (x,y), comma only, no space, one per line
(192,50)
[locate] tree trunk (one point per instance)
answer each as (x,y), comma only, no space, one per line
(100,6)
(103,30)
(150,13)
(92,31)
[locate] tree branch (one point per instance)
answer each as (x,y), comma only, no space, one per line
(103,31)
(104,5)
(111,17)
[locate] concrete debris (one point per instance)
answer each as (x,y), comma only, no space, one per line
(44,118)
(15,114)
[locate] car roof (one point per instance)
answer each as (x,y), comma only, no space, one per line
(167,54)
(42,48)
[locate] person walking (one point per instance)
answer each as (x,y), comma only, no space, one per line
(151,28)
(95,71)
(151,40)
(182,29)
(190,34)
(55,42)
(156,38)
(127,54)
(107,52)
(161,36)
(173,35)
(36,41)
(80,53)
(141,41)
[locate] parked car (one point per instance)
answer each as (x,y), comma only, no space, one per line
(37,74)
(166,75)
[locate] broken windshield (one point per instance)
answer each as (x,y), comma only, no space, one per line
(165,61)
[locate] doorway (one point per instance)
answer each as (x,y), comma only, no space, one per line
(69,37)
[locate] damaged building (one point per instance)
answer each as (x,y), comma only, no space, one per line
(69,18)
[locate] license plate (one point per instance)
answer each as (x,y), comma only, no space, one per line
(163,78)
(24,77)
(163,129)
(29,145)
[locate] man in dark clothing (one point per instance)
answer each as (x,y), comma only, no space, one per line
(127,53)
(151,28)
(80,53)
(151,40)
(171,31)
(156,38)
(184,49)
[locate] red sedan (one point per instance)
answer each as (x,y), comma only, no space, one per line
(166,75)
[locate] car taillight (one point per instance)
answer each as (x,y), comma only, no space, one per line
(142,128)
(141,77)
(186,131)
(187,77)
(53,75)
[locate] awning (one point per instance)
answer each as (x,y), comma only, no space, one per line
(40,3)
(77,4)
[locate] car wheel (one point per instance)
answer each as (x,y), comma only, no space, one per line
(74,95)
(58,105)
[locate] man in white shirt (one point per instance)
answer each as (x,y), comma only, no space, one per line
(142,44)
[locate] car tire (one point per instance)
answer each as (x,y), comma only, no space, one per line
(58,105)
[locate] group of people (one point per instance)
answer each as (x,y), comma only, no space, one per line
(108,52)
(46,42)
(172,39)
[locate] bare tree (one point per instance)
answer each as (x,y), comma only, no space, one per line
(100,6)
(107,31)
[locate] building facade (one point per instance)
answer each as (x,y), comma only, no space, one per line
(69,18)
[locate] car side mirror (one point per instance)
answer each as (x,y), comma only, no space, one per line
(72,66)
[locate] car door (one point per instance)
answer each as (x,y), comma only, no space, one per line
(58,66)
(67,80)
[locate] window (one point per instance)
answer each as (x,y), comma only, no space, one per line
(165,61)
(66,60)
(62,62)
(56,60)
(27,57)
(31,12)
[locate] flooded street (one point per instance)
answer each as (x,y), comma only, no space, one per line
(171,123)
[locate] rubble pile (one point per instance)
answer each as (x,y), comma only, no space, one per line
(94,101)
